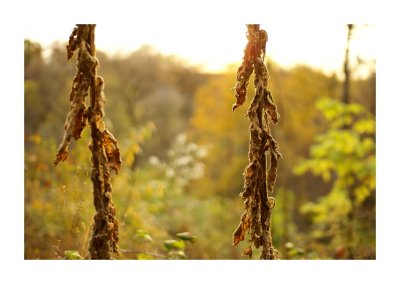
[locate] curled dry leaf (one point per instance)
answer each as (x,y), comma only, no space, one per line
(112,151)
(78,111)
(258,180)
(72,43)
(242,78)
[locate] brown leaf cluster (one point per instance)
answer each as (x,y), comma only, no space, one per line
(104,147)
(258,180)
(77,117)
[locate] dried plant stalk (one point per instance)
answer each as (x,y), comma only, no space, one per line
(258,180)
(104,147)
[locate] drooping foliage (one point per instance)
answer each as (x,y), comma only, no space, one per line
(259,180)
(104,147)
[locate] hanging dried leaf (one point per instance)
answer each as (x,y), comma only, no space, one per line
(112,151)
(78,111)
(104,147)
(243,76)
(72,43)
(270,106)
(248,251)
(258,184)
(240,231)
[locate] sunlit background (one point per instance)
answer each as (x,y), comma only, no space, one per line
(168,102)
(214,47)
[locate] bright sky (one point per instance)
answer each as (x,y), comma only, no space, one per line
(214,46)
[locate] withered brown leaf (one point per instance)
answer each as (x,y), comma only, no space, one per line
(104,147)
(112,151)
(248,251)
(259,180)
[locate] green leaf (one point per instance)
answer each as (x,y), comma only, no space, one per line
(144,256)
(186,236)
(141,234)
(72,255)
(361,193)
(354,108)
(174,244)
(296,252)
(365,126)
(174,254)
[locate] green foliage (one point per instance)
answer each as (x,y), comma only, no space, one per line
(346,151)
(144,196)
(144,235)
(174,244)
(176,254)
(346,155)
(129,150)
(72,255)
(58,205)
(176,248)
(144,256)
(186,236)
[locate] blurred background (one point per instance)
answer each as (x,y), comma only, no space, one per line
(169,103)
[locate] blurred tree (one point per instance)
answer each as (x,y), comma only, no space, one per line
(346,154)
(147,87)
(299,88)
(213,123)
(34,66)
(47,84)
(35,112)
(346,68)
(33,59)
